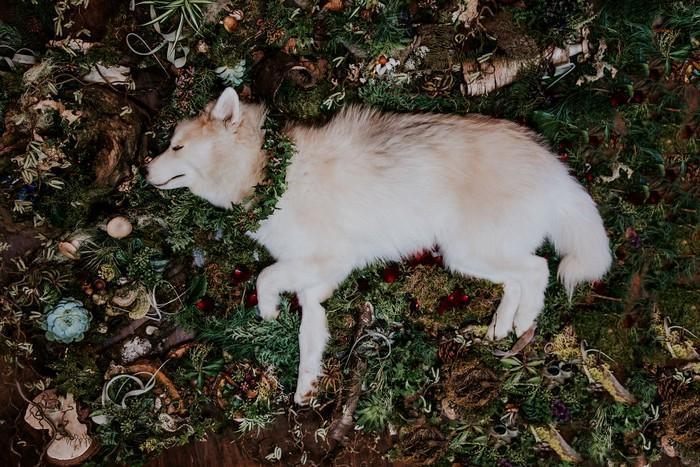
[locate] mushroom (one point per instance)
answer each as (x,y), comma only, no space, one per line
(119,227)
(230,23)
(69,248)
(124,297)
(70,442)
(132,300)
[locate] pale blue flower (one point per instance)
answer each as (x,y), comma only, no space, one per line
(67,322)
(233,76)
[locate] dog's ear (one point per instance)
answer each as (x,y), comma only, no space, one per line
(227,108)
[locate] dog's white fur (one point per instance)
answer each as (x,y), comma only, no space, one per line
(371,186)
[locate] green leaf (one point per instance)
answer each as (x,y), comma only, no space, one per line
(198,287)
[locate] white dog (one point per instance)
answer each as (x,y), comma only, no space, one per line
(371,186)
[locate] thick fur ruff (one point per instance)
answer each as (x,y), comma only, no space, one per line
(376,186)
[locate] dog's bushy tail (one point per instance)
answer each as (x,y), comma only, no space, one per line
(579,237)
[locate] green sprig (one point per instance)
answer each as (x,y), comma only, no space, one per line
(263,202)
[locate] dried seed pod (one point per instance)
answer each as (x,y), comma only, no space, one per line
(68,250)
(334,5)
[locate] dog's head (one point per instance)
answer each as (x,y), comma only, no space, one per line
(216,154)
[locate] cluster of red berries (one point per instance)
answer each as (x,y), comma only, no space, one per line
(457,298)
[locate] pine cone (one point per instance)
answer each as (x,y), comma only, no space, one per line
(682,421)
(468,385)
(669,388)
(449,350)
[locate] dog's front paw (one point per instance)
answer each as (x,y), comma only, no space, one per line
(307,386)
(268,308)
(498,329)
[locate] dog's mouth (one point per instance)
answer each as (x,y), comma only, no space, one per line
(169,180)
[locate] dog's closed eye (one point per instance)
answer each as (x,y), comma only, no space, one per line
(177,148)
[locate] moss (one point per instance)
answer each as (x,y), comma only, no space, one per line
(303,105)
(680,305)
(604,331)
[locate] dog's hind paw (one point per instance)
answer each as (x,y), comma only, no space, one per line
(523,325)
(307,387)
(498,329)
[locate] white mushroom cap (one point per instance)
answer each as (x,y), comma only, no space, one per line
(119,227)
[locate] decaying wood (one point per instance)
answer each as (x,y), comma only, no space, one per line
(114,135)
(70,442)
(486,76)
(125,332)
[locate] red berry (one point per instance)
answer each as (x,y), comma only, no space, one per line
(563,156)
(589,177)
(390,274)
(252,299)
(422,257)
(205,304)
(451,298)
(240,274)
(462,297)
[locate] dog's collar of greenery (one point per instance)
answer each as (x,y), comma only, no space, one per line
(262,203)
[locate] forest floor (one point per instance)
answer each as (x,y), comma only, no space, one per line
(141,345)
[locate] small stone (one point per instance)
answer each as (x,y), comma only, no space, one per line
(135,348)
(150,330)
(119,227)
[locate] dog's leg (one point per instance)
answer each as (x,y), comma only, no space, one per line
(494,270)
(502,321)
(275,279)
(313,335)
(533,282)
